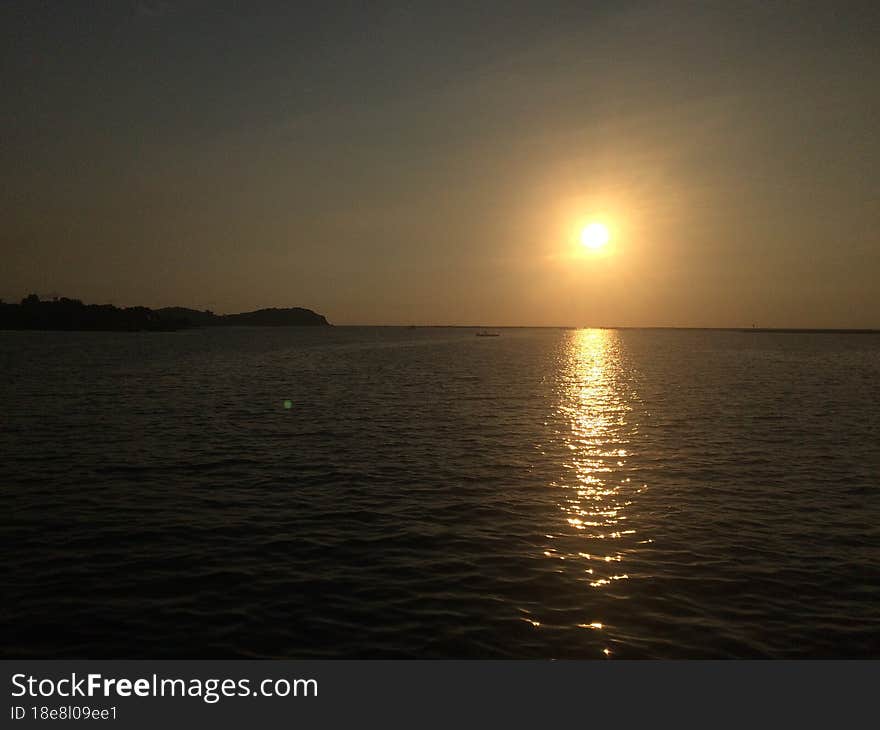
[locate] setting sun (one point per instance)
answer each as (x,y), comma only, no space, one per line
(595,236)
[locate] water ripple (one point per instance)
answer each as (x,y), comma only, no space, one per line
(547,493)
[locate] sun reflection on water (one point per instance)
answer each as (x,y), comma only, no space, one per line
(598,441)
(595,430)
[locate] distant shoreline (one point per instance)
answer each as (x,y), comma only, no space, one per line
(72,315)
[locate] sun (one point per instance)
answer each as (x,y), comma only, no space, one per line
(595,236)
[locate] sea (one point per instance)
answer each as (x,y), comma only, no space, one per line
(359,492)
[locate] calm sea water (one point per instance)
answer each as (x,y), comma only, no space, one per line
(428,493)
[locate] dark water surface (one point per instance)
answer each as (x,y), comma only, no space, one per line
(546,493)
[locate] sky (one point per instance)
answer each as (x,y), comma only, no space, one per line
(434,163)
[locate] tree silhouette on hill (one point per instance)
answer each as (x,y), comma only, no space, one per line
(72,314)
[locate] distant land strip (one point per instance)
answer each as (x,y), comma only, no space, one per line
(64,314)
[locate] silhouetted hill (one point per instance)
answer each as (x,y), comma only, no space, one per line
(276,318)
(192,317)
(294,316)
(71,314)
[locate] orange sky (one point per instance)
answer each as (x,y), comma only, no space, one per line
(430,165)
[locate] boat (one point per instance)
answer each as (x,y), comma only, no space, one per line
(484,333)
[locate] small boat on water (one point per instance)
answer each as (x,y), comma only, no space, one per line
(484,333)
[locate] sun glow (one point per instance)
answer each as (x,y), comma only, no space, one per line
(595,236)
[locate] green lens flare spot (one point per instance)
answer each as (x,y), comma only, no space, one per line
(288,404)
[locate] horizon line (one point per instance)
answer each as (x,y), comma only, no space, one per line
(727,328)
(853,330)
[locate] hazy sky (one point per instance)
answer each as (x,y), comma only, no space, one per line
(397,163)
